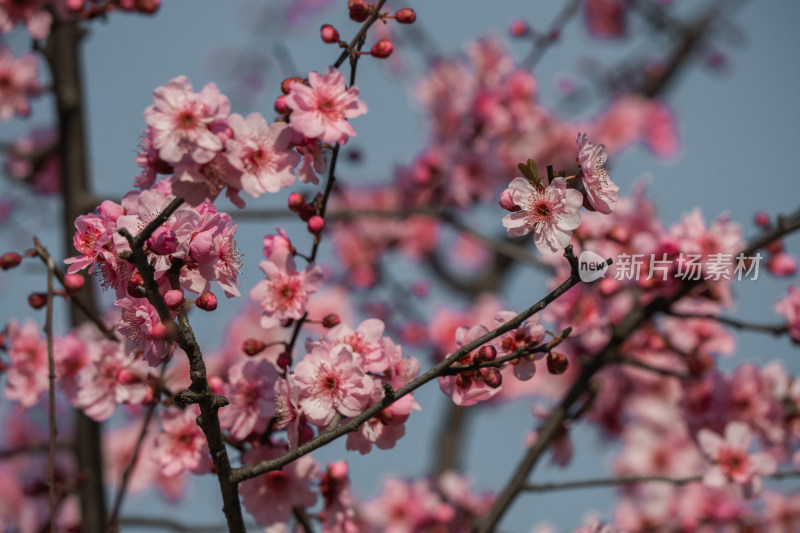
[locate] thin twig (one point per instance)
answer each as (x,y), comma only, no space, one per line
(51,396)
(631,480)
(303,519)
(632,361)
(774,329)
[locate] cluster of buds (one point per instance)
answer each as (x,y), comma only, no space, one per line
(489,375)
(360,11)
(90,9)
(308,212)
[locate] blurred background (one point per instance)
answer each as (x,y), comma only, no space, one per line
(734,102)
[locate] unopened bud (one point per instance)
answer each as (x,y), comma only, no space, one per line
(253,346)
(487,353)
(10,260)
(135,286)
(316,224)
(216,384)
(762,219)
(37,300)
(281,107)
(296,202)
(463,380)
(774,247)
(284,360)
(329,34)
(518,28)
(507,202)
(207,301)
(557,363)
(74,282)
(286,85)
(174,299)
(74,5)
(359,10)
(382,49)
(406,16)
(330,321)
(158,331)
(492,377)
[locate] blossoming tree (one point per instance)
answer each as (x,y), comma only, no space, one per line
(625,336)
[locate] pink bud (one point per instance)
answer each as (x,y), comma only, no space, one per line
(37,300)
(253,346)
(487,353)
(762,219)
(281,107)
(338,469)
(463,380)
(330,321)
(359,10)
(125,377)
(286,85)
(296,202)
(329,34)
(135,286)
(10,260)
(74,5)
(405,16)
(284,360)
(507,202)
(518,28)
(216,384)
(382,49)
(148,7)
(492,377)
(316,224)
(207,301)
(174,299)
(557,363)
(73,282)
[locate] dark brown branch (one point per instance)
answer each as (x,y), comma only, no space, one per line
(303,519)
(543,41)
(62,53)
(250,471)
(198,391)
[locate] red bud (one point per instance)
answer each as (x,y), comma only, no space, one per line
(207,301)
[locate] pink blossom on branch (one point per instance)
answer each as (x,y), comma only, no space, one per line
(18,81)
(321,109)
(732,462)
(251,392)
(551,213)
(284,294)
(789,307)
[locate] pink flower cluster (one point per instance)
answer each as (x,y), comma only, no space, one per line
(207,149)
(19,81)
(200,240)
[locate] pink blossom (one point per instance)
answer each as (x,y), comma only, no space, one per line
(149,161)
(181,446)
(71,356)
(140,325)
(406,507)
(467,388)
(600,190)
(288,413)
(278,241)
(605,19)
(93,234)
(35,161)
(551,213)
(789,307)
(339,514)
(782,512)
(112,378)
(261,152)
(732,463)
(195,182)
(251,392)
(181,121)
(321,110)
(270,497)
(284,294)
(531,333)
(365,341)
(332,381)
(33,12)
(27,373)
(384,429)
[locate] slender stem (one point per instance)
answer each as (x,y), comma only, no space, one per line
(361,33)
(303,519)
(113,523)
(51,396)
(631,480)
(632,361)
(774,329)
